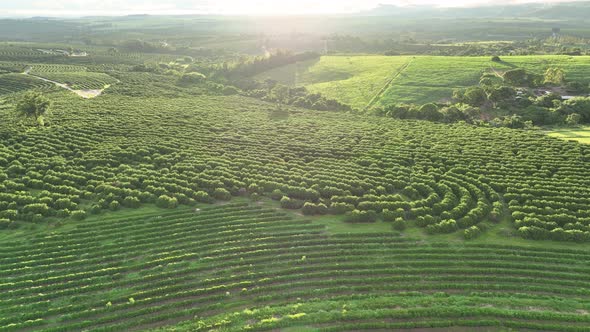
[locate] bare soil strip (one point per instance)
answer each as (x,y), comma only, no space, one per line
(82,93)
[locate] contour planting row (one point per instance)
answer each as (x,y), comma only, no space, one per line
(117,152)
(172,266)
(11,83)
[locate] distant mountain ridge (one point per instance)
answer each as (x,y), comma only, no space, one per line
(564,10)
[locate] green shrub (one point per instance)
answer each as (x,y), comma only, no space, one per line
(78,215)
(63,213)
(445,226)
(276,194)
(471,232)
(167,202)
(131,202)
(114,205)
(5,223)
(340,208)
(36,208)
(312,209)
(9,214)
(357,216)
(399,224)
(222,194)
(192,78)
(389,215)
(95,209)
(203,197)
(289,203)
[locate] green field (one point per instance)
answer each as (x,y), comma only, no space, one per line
(245,266)
(580,134)
(353,80)
(247,263)
(190,197)
(357,79)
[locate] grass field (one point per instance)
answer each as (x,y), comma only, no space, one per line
(354,80)
(357,79)
(579,134)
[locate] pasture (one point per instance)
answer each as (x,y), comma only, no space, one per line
(579,134)
(357,79)
(353,80)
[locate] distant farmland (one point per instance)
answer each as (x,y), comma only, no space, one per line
(356,80)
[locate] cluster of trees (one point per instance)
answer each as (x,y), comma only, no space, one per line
(248,66)
(272,91)
(251,66)
(141,46)
(562,44)
(236,78)
(504,101)
(553,45)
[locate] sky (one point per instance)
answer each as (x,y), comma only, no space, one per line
(227,7)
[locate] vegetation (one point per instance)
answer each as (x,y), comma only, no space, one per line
(34,105)
(369,168)
(232,179)
(164,266)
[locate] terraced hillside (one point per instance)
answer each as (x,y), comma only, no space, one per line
(243,267)
(11,83)
(120,151)
(107,222)
(80,80)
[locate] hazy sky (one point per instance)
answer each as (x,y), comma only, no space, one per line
(246,7)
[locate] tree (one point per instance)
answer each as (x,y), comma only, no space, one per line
(475,96)
(280,93)
(573,119)
(430,112)
(34,105)
(500,94)
(579,105)
(192,78)
(548,100)
(517,77)
(399,224)
(452,114)
(554,76)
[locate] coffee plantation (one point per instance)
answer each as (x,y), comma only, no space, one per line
(96,156)
(206,173)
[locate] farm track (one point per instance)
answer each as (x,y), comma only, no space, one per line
(388,84)
(82,93)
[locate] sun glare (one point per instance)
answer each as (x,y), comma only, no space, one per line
(270,7)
